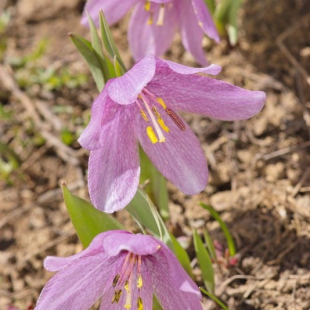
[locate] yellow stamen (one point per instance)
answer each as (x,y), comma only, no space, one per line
(144,115)
(151,134)
(162,124)
(161,15)
(127,287)
(147,5)
(116,280)
(140,304)
(139,281)
(150,20)
(117,296)
(128,295)
(162,103)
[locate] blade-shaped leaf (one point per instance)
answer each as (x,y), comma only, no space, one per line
(108,41)
(221,304)
(182,256)
(233,21)
(205,263)
(210,246)
(210,5)
(86,50)
(157,187)
(143,210)
(229,238)
(86,219)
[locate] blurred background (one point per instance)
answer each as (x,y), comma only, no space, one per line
(259,169)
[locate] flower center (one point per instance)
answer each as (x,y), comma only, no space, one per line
(130,272)
(151,104)
(161,13)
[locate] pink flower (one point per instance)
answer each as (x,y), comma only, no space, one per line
(122,269)
(142,105)
(153,24)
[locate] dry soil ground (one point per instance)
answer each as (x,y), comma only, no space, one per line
(260,175)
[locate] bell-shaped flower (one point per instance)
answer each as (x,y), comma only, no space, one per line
(124,271)
(142,105)
(153,24)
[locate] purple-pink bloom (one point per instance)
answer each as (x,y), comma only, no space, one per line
(122,269)
(142,105)
(153,24)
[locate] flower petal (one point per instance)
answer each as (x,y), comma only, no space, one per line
(112,10)
(178,68)
(54,263)
(79,285)
(180,159)
(91,138)
(145,39)
(211,97)
(114,169)
(137,244)
(205,19)
(191,32)
(168,283)
(125,89)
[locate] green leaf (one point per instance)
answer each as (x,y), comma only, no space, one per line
(205,263)
(86,219)
(143,211)
(210,246)
(221,304)
(117,67)
(108,41)
(210,5)
(182,256)
(229,238)
(157,187)
(233,21)
(86,50)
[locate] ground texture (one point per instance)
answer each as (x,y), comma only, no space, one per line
(260,175)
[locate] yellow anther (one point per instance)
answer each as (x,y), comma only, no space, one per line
(117,296)
(150,20)
(127,306)
(139,303)
(139,281)
(162,124)
(127,287)
(151,134)
(144,115)
(116,280)
(161,15)
(162,103)
(147,5)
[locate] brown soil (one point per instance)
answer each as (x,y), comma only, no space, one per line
(260,175)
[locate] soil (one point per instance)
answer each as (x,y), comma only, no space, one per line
(259,168)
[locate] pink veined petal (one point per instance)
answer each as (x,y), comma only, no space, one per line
(114,169)
(91,138)
(79,285)
(211,97)
(125,89)
(167,291)
(137,244)
(205,19)
(113,10)
(147,39)
(54,263)
(191,32)
(181,69)
(180,159)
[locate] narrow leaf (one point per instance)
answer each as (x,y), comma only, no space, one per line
(221,304)
(229,238)
(182,256)
(157,186)
(210,5)
(86,219)
(108,41)
(210,246)
(86,50)
(233,21)
(205,263)
(143,210)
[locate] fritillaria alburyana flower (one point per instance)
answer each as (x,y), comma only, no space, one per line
(153,24)
(122,269)
(142,105)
